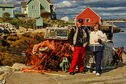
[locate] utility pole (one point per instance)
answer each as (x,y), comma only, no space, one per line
(112,24)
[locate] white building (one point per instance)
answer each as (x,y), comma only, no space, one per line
(66,18)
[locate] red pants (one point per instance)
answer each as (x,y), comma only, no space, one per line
(78,59)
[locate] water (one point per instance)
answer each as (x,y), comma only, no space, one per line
(120,38)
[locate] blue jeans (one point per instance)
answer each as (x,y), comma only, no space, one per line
(98,58)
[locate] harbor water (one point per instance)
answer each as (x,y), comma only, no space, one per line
(120,38)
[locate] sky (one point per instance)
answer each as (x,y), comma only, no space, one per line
(107,9)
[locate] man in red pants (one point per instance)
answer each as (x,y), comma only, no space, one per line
(79,39)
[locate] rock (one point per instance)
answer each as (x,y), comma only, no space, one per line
(19,66)
(2,77)
(2,81)
(6,69)
(1,72)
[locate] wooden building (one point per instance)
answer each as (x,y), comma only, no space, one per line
(7,8)
(89,16)
(38,9)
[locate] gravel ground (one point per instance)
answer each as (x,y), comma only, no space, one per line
(115,76)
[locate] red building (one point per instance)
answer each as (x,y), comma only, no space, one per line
(89,16)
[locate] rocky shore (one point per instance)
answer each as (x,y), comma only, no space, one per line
(13,75)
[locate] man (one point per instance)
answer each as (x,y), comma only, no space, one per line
(79,41)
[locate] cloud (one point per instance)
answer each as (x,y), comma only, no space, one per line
(105,8)
(113,14)
(91,1)
(109,8)
(64,4)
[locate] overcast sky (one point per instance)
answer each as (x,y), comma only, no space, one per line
(105,8)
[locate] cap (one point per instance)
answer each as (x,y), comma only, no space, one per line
(80,20)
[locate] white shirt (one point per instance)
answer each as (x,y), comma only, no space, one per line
(95,35)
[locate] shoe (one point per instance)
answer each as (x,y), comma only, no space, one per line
(97,74)
(82,72)
(71,73)
(94,72)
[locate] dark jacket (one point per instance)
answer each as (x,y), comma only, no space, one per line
(78,37)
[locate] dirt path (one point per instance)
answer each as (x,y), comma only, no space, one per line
(115,76)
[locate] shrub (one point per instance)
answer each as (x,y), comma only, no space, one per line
(6,15)
(18,43)
(8,59)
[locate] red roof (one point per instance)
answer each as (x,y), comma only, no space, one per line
(89,16)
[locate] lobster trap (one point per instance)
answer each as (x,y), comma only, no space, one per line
(56,33)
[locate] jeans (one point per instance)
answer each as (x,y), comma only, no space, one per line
(98,58)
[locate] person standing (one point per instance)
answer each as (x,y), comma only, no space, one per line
(96,45)
(79,41)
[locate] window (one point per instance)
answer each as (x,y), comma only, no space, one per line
(24,9)
(87,19)
(33,7)
(3,9)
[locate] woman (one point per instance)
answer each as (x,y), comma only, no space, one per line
(96,45)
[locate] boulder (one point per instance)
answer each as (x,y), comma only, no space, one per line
(19,66)
(6,69)
(4,72)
